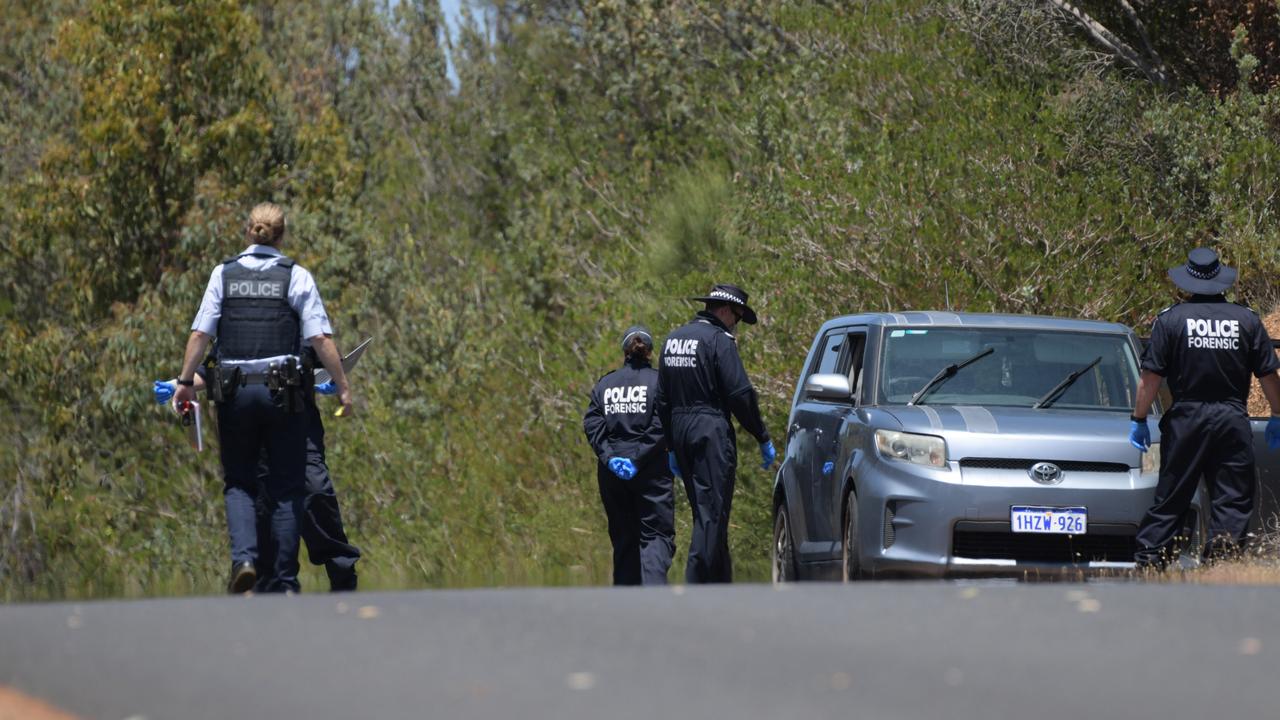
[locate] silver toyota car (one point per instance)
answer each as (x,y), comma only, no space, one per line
(937,443)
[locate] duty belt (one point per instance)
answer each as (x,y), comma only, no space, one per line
(253,379)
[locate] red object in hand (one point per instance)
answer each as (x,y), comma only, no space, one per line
(191,421)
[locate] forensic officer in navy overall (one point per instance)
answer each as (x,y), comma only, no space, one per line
(701,383)
(262,307)
(1207,349)
(635,482)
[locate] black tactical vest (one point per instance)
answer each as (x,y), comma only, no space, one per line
(257,320)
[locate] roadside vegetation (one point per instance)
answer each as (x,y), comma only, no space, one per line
(495,206)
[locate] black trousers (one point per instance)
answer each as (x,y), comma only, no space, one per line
(641,513)
(1213,440)
(320,522)
(706,449)
(252,425)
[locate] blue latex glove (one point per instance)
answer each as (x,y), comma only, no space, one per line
(164,390)
(1140,434)
(622,467)
(1273,433)
(671,462)
(327,388)
(628,469)
(767,454)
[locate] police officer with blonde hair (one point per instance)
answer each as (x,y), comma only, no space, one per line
(636,486)
(262,308)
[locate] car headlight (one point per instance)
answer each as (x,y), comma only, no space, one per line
(912,448)
(1151,459)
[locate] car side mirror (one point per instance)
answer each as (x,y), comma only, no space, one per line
(828,386)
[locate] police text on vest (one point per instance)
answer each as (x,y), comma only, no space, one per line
(255,289)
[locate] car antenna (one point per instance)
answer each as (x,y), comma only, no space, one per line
(946,287)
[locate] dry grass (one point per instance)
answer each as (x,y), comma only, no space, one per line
(1244,572)
(1238,572)
(1259,566)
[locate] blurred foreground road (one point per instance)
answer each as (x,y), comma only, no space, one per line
(879,650)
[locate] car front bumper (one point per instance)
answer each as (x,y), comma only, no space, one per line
(916,520)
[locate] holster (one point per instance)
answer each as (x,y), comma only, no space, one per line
(223,382)
(291,384)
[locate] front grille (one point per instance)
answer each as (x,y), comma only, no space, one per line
(1022,464)
(1037,548)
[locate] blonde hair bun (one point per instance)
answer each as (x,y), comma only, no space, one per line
(266,224)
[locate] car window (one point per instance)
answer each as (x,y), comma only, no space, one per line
(851,365)
(829,357)
(1023,366)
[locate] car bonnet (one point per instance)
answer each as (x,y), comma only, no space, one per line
(1010,432)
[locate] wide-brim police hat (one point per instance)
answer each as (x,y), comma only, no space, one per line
(731,294)
(1203,274)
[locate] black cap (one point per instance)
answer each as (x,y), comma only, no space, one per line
(733,295)
(1203,274)
(637,331)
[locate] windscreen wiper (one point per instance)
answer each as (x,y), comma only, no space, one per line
(1057,391)
(947,373)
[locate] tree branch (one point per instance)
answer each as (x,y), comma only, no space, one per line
(1112,43)
(1146,39)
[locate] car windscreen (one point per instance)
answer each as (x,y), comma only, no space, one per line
(1023,368)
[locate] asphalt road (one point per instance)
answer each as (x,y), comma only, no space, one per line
(880,650)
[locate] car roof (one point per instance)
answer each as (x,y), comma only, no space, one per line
(942,318)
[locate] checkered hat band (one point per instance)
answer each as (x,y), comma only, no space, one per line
(722,295)
(1203,275)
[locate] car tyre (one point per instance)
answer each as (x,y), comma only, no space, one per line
(784,550)
(851,564)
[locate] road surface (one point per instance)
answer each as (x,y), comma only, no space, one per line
(876,650)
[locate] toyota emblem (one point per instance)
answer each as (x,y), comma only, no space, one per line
(1046,473)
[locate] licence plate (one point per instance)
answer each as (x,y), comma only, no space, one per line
(1053,520)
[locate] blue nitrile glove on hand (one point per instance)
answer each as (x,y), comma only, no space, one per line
(1273,433)
(327,388)
(1140,434)
(164,390)
(622,467)
(671,462)
(767,454)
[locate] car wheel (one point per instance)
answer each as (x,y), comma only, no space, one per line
(851,567)
(784,551)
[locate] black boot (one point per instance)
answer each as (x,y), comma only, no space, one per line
(243,577)
(340,579)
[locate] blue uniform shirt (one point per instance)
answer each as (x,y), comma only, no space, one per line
(304,298)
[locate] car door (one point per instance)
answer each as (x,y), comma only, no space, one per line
(837,435)
(808,437)
(841,436)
